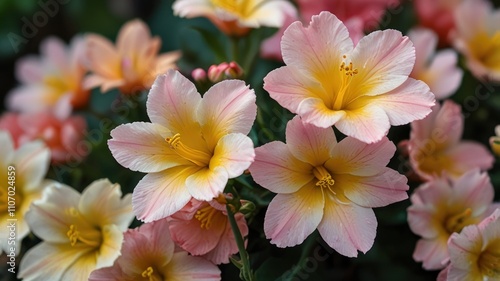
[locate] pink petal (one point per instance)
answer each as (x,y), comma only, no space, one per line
(133,38)
(55,52)
(368,124)
(465,246)
(173,102)
(227,244)
(102,57)
(474,190)
(271,47)
(351,156)
(425,42)
(190,236)
(188,268)
(7,146)
(379,190)
(142,147)
(470,155)
(29,70)
(276,169)
(347,227)
(227,107)
(422,221)
(32,161)
(448,76)
(317,49)
(289,86)
(408,102)
(432,253)
(314,111)
(309,143)
(386,58)
(290,218)
(207,183)
(234,152)
(159,195)
(29,98)
(443,275)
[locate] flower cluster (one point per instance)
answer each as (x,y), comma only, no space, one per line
(233,153)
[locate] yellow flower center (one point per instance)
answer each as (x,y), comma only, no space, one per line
(435,163)
(239,8)
(195,156)
(5,198)
(150,274)
(58,86)
(347,72)
(324,178)
(489,264)
(457,222)
(89,236)
(206,216)
(486,49)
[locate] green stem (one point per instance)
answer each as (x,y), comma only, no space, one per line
(235,48)
(306,250)
(245,271)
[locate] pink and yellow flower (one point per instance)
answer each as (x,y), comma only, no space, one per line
(443,207)
(80,232)
(191,148)
(326,185)
(132,65)
(203,229)
(438,70)
(148,253)
(60,135)
(495,141)
(53,81)
(475,252)
(435,146)
(236,17)
(362,90)
(21,184)
(478,37)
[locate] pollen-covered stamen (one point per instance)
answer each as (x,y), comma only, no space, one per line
(347,72)
(74,236)
(324,178)
(489,263)
(457,222)
(206,215)
(150,274)
(197,157)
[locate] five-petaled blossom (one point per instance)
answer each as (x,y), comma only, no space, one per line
(362,90)
(52,82)
(435,146)
(438,70)
(443,207)
(80,232)
(326,185)
(236,17)
(203,229)
(478,37)
(191,148)
(148,253)
(132,65)
(475,252)
(20,184)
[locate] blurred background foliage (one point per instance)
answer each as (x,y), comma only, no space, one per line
(202,45)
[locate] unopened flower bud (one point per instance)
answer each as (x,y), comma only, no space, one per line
(216,72)
(247,207)
(234,70)
(199,75)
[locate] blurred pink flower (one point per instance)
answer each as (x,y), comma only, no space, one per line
(132,65)
(438,16)
(80,232)
(148,253)
(60,135)
(478,38)
(445,206)
(475,252)
(326,185)
(435,146)
(438,70)
(203,229)
(53,81)
(191,148)
(369,12)
(30,162)
(235,18)
(362,90)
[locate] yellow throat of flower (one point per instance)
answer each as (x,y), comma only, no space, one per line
(486,49)
(206,216)
(457,222)
(77,234)
(240,8)
(197,157)
(57,87)
(347,72)
(489,263)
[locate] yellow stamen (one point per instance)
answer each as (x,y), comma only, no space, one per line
(197,157)
(324,178)
(489,263)
(457,222)
(74,236)
(150,274)
(350,72)
(205,216)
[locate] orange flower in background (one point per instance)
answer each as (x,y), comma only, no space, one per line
(236,17)
(132,65)
(52,81)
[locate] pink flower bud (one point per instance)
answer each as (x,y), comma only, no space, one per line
(199,75)
(234,70)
